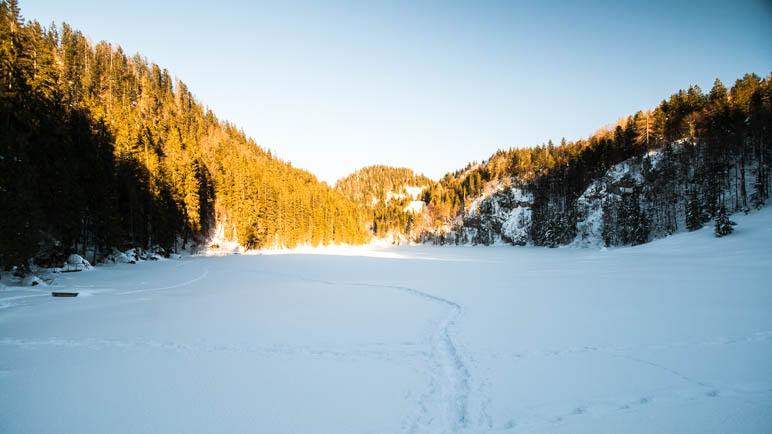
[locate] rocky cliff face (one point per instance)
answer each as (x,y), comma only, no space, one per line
(633,202)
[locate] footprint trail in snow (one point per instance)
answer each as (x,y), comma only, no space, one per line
(451,396)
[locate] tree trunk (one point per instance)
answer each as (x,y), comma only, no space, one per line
(743,189)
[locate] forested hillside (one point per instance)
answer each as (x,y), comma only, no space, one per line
(102,150)
(99,149)
(690,159)
(390,196)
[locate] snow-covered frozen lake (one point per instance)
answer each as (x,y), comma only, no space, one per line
(674,336)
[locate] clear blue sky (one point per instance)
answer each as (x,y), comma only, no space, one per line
(429,85)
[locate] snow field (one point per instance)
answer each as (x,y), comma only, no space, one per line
(671,336)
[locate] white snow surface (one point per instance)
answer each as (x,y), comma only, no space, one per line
(672,336)
(415,206)
(411,191)
(396,196)
(414,191)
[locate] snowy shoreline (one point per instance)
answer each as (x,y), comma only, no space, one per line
(377,248)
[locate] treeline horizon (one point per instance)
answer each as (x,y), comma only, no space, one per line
(101,150)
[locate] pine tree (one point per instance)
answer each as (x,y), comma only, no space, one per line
(758,195)
(644,128)
(610,221)
(723,225)
(718,93)
(693,213)
(633,222)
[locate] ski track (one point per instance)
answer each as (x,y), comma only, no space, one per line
(763,336)
(87,290)
(177,285)
(455,383)
(455,388)
(405,349)
(7,302)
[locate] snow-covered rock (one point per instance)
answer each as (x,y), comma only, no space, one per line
(32,280)
(589,224)
(501,215)
(621,179)
(516,225)
(76,262)
(119,257)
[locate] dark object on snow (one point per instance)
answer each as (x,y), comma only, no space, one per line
(64,294)
(71,270)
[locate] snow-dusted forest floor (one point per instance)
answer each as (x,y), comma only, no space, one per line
(673,336)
